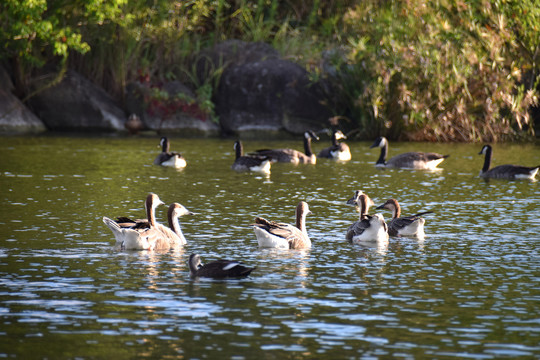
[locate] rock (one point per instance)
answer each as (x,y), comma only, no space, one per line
(15,117)
(231,52)
(271,95)
(76,103)
(175,113)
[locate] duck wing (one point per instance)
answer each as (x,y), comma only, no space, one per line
(224,269)
(358,228)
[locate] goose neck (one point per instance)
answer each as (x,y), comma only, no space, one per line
(301,221)
(151,211)
(487,160)
(307,146)
(165,145)
(174,224)
(334,139)
(384,153)
(239,149)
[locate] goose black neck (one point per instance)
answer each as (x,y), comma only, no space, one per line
(487,160)
(307,146)
(165,145)
(384,152)
(239,149)
(334,138)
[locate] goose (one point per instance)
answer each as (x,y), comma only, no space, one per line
(167,158)
(409,160)
(218,269)
(250,163)
(138,237)
(173,236)
(369,228)
(291,155)
(271,234)
(338,151)
(406,225)
(505,171)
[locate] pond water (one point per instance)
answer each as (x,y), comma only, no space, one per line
(470,289)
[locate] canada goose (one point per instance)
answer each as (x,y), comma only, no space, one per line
(139,237)
(406,225)
(338,151)
(369,228)
(167,158)
(409,160)
(291,155)
(272,234)
(217,269)
(250,163)
(505,171)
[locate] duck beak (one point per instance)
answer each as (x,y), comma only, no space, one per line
(352,201)
(380,207)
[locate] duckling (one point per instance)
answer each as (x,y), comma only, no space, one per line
(406,225)
(167,158)
(510,172)
(409,160)
(218,269)
(250,163)
(338,151)
(369,228)
(271,234)
(291,155)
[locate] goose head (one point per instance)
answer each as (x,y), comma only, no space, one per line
(310,135)
(393,206)
(360,197)
(485,149)
(340,135)
(177,210)
(390,204)
(153,201)
(380,142)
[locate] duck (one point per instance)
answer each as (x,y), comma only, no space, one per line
(369,228)
(167,158)
(409,160)
(218,269)
(134,124)
(138,236)
(271,234)
(260,164)
(510,172)
(291,155)
(406,225)
(338,151)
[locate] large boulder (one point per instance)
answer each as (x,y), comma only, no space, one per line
(76,103)
(15,117)
(169,107)
(269,97)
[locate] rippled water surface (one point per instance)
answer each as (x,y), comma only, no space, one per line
(471,289)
